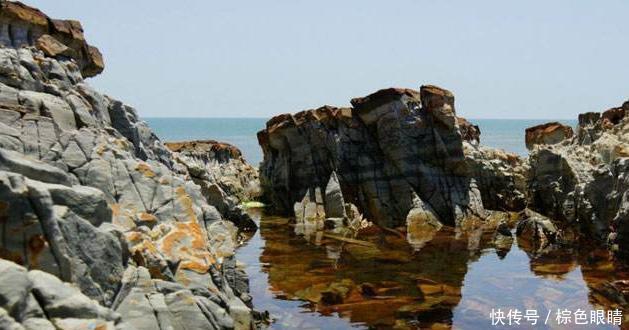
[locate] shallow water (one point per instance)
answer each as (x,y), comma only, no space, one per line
(453,281)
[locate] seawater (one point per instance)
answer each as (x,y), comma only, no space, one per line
(507,134)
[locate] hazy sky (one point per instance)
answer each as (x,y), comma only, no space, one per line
(231,58)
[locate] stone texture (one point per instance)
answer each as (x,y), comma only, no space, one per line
(226,179)
(581,182)
(21,25)
(88,191)
(389,147)
(36,300)
(549,133)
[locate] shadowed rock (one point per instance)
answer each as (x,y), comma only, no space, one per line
(392,145)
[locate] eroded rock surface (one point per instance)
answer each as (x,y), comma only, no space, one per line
(582,181)
(226,179)
(21,25)
(388,148)
(88,193)
(549,133)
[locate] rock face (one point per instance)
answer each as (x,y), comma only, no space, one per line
(38,300)
(89,194)
(226,179)
(549,133)
(388,148)
(582,181)
(21,25)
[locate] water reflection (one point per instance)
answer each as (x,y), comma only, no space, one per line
(385,282)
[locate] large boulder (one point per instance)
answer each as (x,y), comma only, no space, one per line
(389,147)
(549,133)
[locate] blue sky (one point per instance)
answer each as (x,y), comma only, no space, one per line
(502,59)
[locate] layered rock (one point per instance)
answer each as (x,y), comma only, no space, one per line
(38,300)
(388,148)
(87,190)
(226,179)
(21,25)
(549,133)
(582,181)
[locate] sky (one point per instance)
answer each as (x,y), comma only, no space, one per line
(250,58)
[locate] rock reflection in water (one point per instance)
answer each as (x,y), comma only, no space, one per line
(325,283)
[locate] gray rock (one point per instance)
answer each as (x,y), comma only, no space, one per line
(7,322)
(16,162)
(334,202)
(61,300)
(14,293)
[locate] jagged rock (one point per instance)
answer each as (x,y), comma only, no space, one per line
(334,201)
(21,25)
(537,232)
(549,133)
(581,182)
(392,145)
(226,179)
(500,176)
(87,189)
(37,300)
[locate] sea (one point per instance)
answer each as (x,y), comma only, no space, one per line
(506,134)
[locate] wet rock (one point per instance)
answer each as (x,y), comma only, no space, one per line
(549,133)
(422,224)
(390,146)
(537,232)
(503,239)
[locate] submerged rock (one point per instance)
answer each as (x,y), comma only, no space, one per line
(389,147)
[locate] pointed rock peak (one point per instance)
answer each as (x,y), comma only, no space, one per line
(334,200)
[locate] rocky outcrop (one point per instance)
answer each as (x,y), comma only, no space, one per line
(21,25)
(549,133)
(388,148)
(226,179)
(38,300)
(582,181)
(88,193)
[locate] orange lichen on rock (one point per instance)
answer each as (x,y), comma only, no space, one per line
(187,203)
(187,242)
(145,169)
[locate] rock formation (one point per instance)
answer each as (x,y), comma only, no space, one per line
(549,133)
(582,180)
(89,195)
(390,147)
(225,178)
(21,25)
